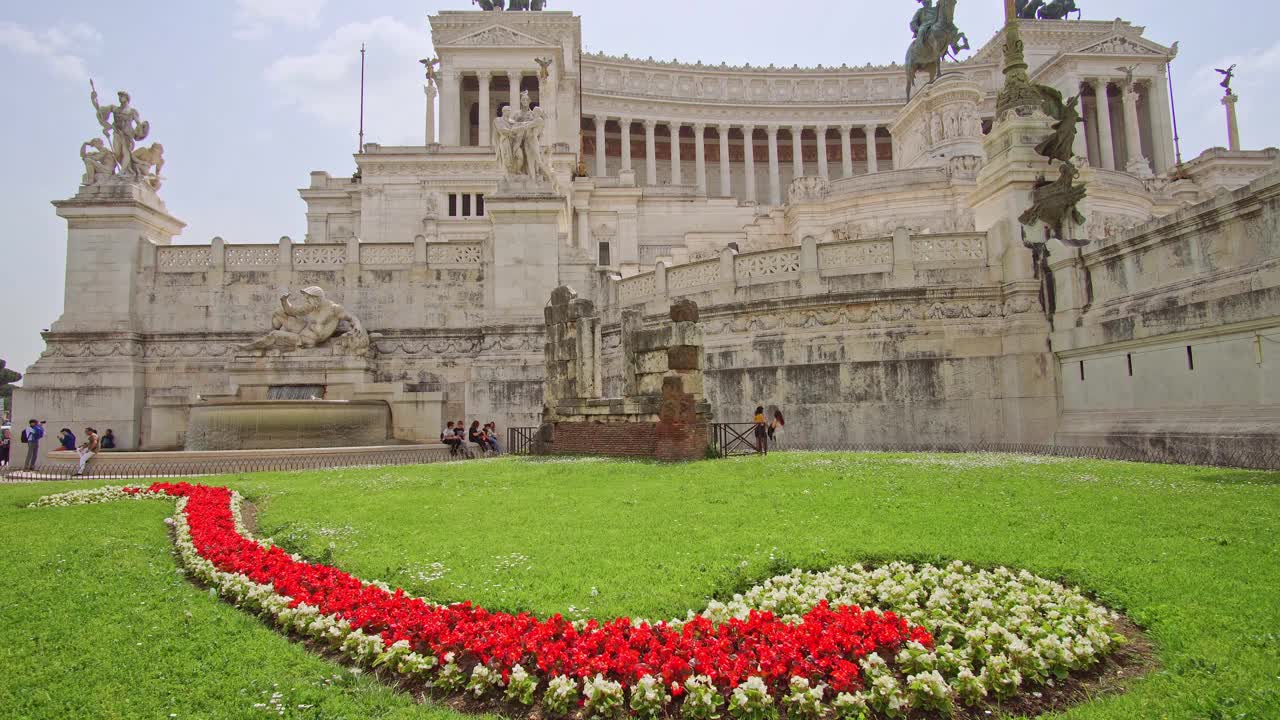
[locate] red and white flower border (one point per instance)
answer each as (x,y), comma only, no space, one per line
(997,632)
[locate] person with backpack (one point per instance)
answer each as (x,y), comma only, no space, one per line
(31,437)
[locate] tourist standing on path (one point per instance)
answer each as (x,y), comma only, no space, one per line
(6,442)
(67,439)
(31,436)
(109,440)
(88,449)
(762,431)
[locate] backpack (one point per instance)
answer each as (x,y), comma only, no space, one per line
(24,436)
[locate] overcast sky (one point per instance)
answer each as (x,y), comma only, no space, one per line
(249,96)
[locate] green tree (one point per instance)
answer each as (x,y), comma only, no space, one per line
(7,379)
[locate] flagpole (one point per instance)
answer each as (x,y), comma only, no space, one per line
(360,147)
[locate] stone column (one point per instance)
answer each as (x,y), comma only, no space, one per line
(1102,107)
(602,155)
(513,80)
(650,153)
(624,131)
(846,151)
(749,158)
(677,172)
(823,169)
(486,114)
(775,177)
(797,151)
(873,161)
(547,101)
(450,109)
(1135,163)
(1161,123)
(584,228)
(1233,126)
(430,128)
(700,156)
(726,177)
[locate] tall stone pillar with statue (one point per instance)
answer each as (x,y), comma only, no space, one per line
(91,371)
(1026,213)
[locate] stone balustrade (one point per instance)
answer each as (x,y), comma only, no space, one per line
(384,256)
(810,265)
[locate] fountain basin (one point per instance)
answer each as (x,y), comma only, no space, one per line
(288,424)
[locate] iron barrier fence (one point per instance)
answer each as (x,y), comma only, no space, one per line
(103,467)
(729,439)
(521,440)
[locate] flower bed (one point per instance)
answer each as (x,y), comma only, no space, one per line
(799,645)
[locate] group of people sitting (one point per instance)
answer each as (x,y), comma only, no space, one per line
(458,435)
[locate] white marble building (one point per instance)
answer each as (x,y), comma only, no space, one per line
(855,253)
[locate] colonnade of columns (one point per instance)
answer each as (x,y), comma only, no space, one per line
(874,139)
(453,121)
(1127,125)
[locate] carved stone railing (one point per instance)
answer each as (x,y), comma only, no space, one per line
(694,275)
(313,256)
(950,250)
(251,256)
(810,265)
(183,258)
(455,254)
(201,258)
(768,264)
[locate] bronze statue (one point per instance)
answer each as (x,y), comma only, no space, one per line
(1026,9)
(1227,76)
(1058,10)
(936,37)
(431,64)
(1061,144)
(1054,203)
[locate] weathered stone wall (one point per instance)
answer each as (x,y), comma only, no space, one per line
(1171,337)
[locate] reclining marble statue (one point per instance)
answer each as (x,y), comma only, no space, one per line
(314,322)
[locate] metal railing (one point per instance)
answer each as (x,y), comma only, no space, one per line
(521,440)
(1262,457)
(103,467)
(729,439)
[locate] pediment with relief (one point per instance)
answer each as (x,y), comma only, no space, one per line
(1123,45)
(497,36)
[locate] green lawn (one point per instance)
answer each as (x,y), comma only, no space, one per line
(97,624)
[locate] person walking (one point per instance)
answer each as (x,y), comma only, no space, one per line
(775,427)
(88,449)
(31,436)
(761,431)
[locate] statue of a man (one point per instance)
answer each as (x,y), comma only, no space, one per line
(519,146)
(99,162)
(122,125)
(313,322)
(924,18)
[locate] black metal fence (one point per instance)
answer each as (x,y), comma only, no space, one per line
(1262,456)
(521,440)
(104,467)
(729,439)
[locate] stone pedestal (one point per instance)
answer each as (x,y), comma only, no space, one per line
(942,122)
(1028,390)
(91,373)
(526,252)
